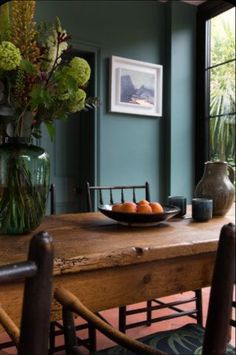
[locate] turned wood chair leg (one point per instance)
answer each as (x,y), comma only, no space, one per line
(198,294)
(149,313)
(92,338)
(122,319)
(52,338)
(69,331)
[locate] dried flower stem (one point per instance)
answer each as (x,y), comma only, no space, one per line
(23,30)
(54,64)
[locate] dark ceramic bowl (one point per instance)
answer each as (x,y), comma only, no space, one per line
(139,219)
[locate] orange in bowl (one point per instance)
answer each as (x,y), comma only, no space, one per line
(156,207)
(143,202)
(129,207)
(117,207)
(145,208)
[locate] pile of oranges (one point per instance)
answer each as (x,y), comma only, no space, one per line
(142,206)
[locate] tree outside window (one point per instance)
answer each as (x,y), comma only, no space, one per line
(220,71)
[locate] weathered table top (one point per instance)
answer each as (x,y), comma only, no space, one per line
(86,241)
(109,265)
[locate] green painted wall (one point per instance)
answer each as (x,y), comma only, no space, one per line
(134,149)
(182,74)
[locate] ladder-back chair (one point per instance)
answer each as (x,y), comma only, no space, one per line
(56,327)
(194,312)
(32,338)
(111,190)
(189,339)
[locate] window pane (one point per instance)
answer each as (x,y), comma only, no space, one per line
(222,89)
(223,37)
(222,138)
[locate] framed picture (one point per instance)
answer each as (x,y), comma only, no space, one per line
(135,87)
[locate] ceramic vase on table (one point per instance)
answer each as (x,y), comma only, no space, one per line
(217,184)
(24,185)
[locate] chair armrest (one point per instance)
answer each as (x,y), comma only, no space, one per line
(9,326)
(71,302)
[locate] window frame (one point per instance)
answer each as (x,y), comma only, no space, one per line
(205,12)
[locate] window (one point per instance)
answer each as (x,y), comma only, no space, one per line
(215,119)
(221,89)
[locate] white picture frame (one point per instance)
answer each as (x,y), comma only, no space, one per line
(135,87)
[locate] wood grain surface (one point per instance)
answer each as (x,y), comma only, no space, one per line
(107,264)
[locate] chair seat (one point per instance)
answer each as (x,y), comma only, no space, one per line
(185,340)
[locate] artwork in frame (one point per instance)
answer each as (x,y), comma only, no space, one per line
(135,87)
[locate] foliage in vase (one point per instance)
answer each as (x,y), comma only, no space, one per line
(36,84)
(24,185)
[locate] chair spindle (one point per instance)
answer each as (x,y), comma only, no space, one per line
(100,197)
(122,196)
(134,195)
(111,197)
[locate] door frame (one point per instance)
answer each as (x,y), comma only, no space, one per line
(96,51)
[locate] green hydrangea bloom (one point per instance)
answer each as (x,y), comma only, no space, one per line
(10,56)
(80,70)
(77,102)
(62,80)
(64,96)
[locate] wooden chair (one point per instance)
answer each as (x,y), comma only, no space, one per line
(194,312)
(32,338)
(189,339)
(57,328)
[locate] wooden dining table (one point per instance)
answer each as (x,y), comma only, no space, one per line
(108,265)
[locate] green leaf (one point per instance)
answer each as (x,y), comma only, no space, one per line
(36,133)
(51,130)
(4,22)
(198,351)
(40,96)
(28,67)
(67,81)
(57,24)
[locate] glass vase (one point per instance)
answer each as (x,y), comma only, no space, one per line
(24,185)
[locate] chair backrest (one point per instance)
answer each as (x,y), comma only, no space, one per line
(37,272)
(111,189)
(221,296)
